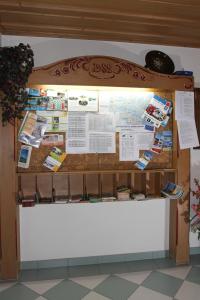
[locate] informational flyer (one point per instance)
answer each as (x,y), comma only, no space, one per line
(144,140)
(102,142)
(77,133)
(184,114)
(127,106)
(128,150)
(184,105)
(101,122)
(82,100)
(56,120)
(187,132)
(32,129)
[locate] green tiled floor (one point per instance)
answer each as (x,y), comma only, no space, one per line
(140,280)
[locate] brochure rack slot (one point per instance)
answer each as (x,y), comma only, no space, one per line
(50,187)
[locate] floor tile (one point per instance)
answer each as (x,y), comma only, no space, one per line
(162,263)
(162,283)
(89,281)
(179,272)
(28,275)
(136,277)
(194,275)
(54,273)
(42,286)
(94,296)
(18,292)
(195,259)
(88,270)
(6,285)
(141,265)
(188,291)
(66,290)
(113,268)
(143,293)
(116,288)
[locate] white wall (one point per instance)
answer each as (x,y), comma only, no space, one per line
(89,229)
(54,231)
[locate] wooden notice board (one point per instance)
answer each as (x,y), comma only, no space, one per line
(94,71)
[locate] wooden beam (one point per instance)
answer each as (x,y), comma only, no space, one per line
(9,212)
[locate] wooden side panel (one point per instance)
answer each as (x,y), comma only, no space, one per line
(9,211)
(182,247)
(108,184)
(76,184)
(61,185)
(27,184)
(92,184)
(45,187)
(138,182)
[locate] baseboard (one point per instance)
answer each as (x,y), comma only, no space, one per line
(91,260)
(80,261)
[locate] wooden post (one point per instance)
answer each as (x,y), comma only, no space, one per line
(9,211)
(179,228)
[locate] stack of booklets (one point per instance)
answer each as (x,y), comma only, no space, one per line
(54,159)
(172,191)
(76,198)
(137,196)
(123,193)
(108,198)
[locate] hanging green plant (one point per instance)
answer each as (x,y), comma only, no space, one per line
(16,65)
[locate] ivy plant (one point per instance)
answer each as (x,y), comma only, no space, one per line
(16,64)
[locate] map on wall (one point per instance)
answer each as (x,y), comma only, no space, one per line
(128,106)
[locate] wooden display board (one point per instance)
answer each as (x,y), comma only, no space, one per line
(109,172)
(104,162)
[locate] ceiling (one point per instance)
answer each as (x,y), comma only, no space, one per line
(165,22)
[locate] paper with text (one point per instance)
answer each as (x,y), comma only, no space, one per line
(187,134)
(128,150)
(184,105)
(77,133)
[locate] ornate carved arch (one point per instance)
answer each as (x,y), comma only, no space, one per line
(106,71)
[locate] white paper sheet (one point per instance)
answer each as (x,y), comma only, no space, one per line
(82,100)
(184,105)
(144,140)
(187,134)
(127,106)
(102,142)
(77,133)
(128,150)
(101,122)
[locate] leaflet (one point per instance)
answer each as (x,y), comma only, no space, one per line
(128,150)
(187,132)
(56,120)
(102,142)
(77,133)
(82,100)
(184,105)
(32,129)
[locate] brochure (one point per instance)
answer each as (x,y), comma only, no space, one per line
(24,156)
(144,160)
(52,140)
(172,191)
(157,112)
(55,159)
(32,129)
